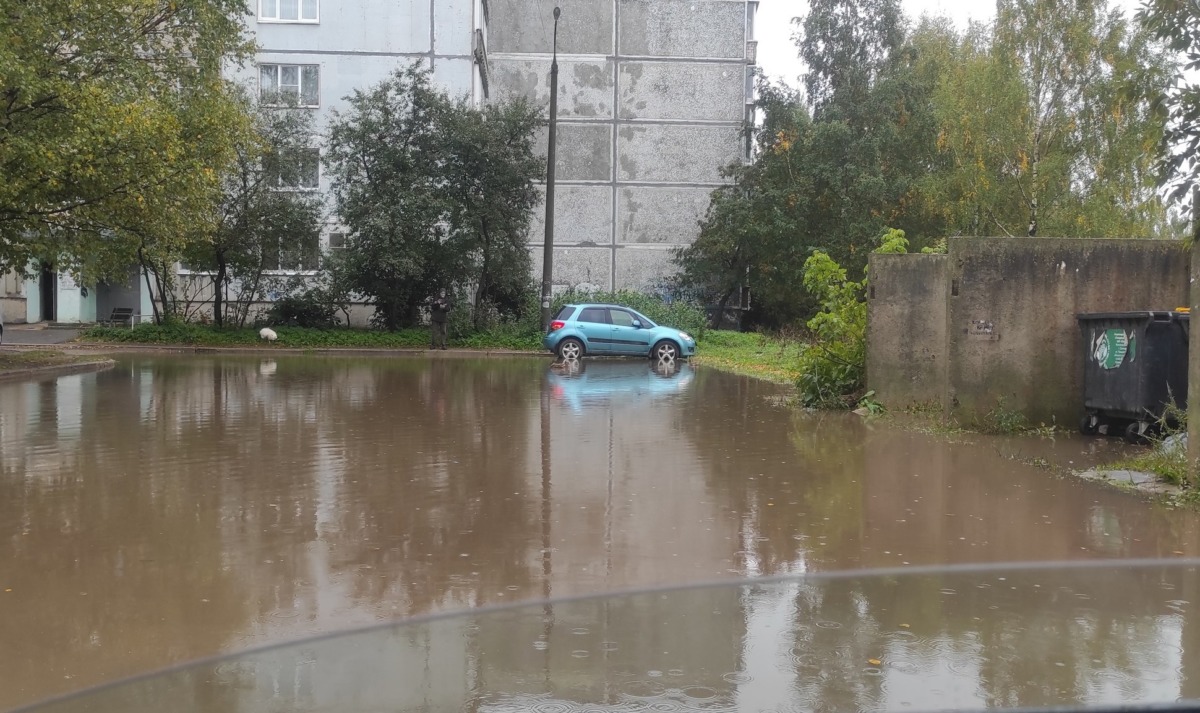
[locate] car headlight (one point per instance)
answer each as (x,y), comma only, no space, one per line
(686,336)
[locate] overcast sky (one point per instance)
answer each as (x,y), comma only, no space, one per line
(777,52)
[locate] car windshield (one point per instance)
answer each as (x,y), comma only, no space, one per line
(1073,635)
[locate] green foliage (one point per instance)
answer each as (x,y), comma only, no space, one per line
(869,403)
(1041,123)
(301,338)
(259,227)
(763,356)
(1047,121)
(436,194)
(1003,420)
(305,309)
(833,367)
(1177,25)
(1167,458)
(114,129)
(829,173)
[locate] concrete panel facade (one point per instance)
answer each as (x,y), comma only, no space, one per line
(683,91)
(652,96)
(582,216)
(906,324)
(673,153)
(585,88)
(585,268)
(666,216)
(1009,305)
(643,267)
(682,28)
(527,27)
(584,152)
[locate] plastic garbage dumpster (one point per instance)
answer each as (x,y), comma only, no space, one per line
(1135,365)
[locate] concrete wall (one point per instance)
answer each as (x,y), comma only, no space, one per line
(1009,313)
(651,99)
(906,328)
(12,298)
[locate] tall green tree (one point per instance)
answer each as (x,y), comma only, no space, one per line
(435,193)
(491,165)
(1177,24)
(261,225)
(115,125)
(755,232)
(1048,121)
(833,167)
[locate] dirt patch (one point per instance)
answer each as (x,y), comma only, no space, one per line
(15,365)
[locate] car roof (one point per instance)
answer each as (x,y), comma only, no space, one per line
(599,304)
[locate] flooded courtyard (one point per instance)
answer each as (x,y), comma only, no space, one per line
(177,508)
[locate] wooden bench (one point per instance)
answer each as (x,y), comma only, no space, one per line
(119,316)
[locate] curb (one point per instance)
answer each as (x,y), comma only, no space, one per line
(122,348)
(46,372)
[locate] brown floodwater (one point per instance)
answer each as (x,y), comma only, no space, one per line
(176,508)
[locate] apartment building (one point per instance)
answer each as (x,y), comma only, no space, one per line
(653,95)
(652,99)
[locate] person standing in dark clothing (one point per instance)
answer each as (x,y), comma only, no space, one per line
(438,312)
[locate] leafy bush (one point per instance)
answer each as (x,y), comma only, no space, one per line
(833,367)
(306,309)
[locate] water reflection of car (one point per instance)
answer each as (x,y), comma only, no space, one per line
(613,330)
(578,385)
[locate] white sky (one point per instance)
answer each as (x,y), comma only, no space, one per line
(777,52)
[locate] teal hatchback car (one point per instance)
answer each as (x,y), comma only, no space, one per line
(613,330)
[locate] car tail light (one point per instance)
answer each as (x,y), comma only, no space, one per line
(557,324)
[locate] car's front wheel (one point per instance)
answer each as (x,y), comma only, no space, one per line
(570,348)
(666,350)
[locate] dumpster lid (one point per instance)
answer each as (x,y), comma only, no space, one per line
(1159,315)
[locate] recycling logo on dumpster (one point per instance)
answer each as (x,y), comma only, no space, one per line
(1112,346)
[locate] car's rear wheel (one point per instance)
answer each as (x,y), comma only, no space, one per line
(666,350)
(570,348)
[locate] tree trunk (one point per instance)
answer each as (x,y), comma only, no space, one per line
(1033,189)
(218,285)
(484,274)
(720,313)
(149,286)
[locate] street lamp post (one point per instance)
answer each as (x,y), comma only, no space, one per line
(548,247)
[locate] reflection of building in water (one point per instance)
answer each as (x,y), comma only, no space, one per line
(41,423)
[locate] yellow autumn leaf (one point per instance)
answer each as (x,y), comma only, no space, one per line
(874,662)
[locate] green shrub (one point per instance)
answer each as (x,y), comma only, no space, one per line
(833,366)
(306,309)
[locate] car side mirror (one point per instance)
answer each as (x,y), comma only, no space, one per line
(637,324)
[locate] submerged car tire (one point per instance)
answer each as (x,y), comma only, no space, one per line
(665,350)
(570,348)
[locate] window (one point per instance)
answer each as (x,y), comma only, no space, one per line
(594,314)
(337,241)
(297,84)
(564,312)
(620,317)
(298,252)
(287,10)
(295,169)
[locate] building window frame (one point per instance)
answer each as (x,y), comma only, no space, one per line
(272,11)
(272,95)
(279,181)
